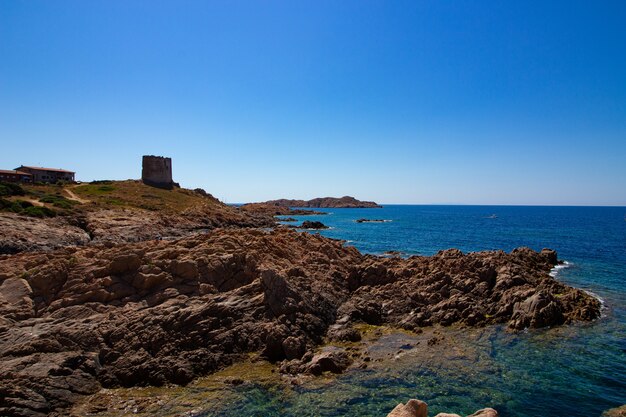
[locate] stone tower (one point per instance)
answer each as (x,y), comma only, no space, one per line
(157,171)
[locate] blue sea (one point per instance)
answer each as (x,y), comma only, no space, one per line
(576,370)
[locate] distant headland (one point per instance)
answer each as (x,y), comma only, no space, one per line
(325,202)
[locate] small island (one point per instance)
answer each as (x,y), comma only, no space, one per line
(325,202)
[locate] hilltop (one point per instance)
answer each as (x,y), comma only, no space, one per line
(44,217)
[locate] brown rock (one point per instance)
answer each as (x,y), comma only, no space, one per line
(413,408)
(615,412)
(538,310)
(335,361)
(294,347)
(485,412)
(124,264)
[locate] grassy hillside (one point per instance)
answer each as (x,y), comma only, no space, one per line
(63,199)
(135,194)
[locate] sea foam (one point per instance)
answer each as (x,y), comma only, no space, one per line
(554,271)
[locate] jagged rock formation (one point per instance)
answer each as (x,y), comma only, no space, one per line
(153,312)
(325,202)
(417,408)
(21,233)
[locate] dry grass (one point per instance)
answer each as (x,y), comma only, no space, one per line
(135,194)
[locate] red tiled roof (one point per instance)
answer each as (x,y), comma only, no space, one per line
(48,169)
(6,171)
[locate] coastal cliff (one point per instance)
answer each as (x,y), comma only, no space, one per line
(325,202)
(154,312)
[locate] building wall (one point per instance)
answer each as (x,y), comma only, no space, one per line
(157,170)
(40,175)
(9,177)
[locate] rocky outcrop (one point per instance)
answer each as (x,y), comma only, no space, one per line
(156,312)
(125,225)
(474,289)
(417,408)
(312,225)
(325,202)
(22,233)
(113,226)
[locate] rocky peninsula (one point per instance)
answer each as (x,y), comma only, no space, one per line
(126,307)
(325,202)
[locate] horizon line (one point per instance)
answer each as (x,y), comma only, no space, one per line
(461,204)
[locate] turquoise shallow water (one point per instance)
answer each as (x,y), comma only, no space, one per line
(577,370)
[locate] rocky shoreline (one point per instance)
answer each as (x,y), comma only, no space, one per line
(149,313)
(277,210)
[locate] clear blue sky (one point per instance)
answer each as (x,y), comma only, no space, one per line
(475,102)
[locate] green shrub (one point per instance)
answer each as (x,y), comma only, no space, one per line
(64,204)
(39,212)
(58,201)
(106,188)
(9,188)
(4,204)
(25,207)
(8,205)
(48,199)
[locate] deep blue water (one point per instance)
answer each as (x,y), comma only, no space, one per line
(577,370)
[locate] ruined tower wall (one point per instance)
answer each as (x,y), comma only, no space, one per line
(157,171)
